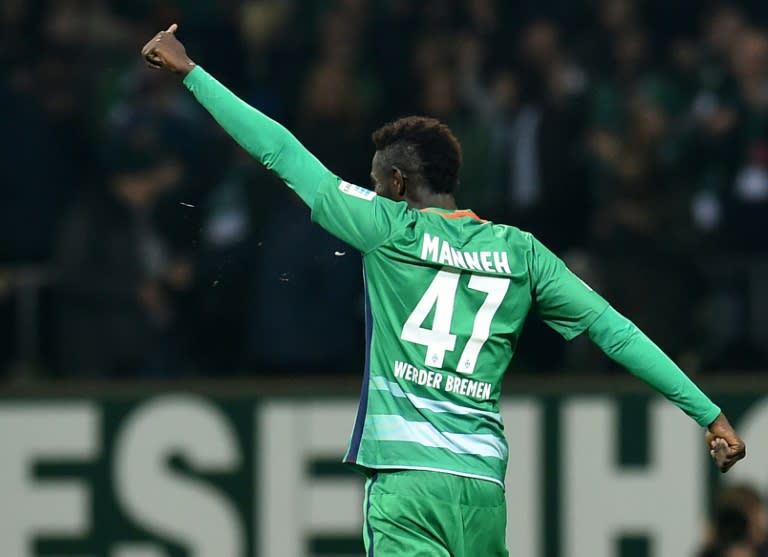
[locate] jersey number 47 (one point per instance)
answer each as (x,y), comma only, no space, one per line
(441,295)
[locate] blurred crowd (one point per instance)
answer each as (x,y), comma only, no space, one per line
(738,524)
(631,137)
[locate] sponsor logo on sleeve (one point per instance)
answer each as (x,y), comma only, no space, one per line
(357,191)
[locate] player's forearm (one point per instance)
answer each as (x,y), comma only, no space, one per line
(624,343)
(263,138)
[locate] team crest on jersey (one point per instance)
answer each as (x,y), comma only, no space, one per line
(357,191)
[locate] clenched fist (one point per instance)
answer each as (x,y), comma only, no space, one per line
(164,51)
(725,446)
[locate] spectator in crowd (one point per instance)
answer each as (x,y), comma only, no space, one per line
(716,118)
(640,230)
(36,164)
(331,103)
(307,312)
(738,526)
(275,39)
(536,129)
(116,274)
(732,202)
(440,98)
(233,214)
(613,19)
(747,203)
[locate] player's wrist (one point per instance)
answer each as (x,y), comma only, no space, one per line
(184,69)
(721,427)
(719,417)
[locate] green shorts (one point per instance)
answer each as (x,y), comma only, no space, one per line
(410,513)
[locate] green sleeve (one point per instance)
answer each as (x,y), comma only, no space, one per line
(358,216)
(263,138)
(560,298)
(624,343)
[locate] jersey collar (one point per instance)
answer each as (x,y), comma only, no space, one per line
(453,214)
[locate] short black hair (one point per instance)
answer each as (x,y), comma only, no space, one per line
(418,144)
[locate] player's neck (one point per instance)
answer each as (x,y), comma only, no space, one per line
(434,200)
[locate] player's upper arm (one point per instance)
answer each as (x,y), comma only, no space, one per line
(562,300)
(358,216)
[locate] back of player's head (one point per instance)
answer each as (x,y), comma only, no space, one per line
(425,146)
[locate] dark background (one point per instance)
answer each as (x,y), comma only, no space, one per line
(136,240)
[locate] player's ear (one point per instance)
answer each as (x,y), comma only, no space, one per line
(398,182)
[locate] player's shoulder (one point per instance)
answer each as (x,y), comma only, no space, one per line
(515,238)
(342,198)
(399,208)
(512,233)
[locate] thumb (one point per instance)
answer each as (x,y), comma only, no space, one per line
(172,29)
(710,437)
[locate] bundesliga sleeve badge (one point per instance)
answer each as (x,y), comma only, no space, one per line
(357,191)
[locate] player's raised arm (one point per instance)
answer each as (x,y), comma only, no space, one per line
(571,307)
(263,138)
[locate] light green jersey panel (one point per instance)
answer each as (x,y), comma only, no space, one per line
(446,294)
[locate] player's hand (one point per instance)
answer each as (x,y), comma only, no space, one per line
(725,446)
(165,51)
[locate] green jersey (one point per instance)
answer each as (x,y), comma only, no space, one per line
(446,297)
(447,294)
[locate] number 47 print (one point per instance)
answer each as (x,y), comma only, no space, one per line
(441,295)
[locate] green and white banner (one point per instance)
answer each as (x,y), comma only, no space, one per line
(185,475)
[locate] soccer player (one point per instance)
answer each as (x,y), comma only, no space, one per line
(447,293)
